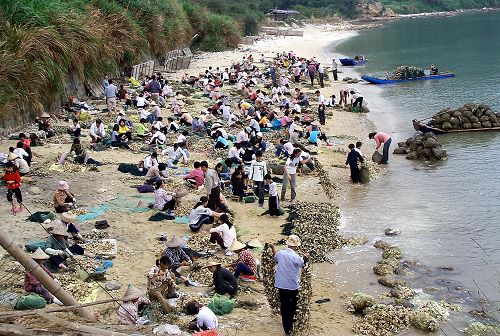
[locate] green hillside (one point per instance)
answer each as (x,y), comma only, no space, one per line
(42,41)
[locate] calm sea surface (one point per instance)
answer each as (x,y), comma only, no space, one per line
(448,213)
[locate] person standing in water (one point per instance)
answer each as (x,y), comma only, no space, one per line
(382,138)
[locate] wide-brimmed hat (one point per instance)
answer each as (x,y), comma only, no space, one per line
(60,230)
(174,242)
(237,246)
(68,217)
(181,192)
(153,103)
(254,243)
(45,115)
(39,255)
(63,185)
(131,293)
(293,241)
(212,263)
(12,156)
(315,123)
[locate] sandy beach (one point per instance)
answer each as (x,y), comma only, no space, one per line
(137,244)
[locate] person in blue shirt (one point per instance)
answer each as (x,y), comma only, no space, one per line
(220,141)
(352,160)
(288,269)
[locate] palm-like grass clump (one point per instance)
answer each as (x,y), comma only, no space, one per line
(43,42)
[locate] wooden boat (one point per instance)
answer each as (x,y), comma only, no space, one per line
(425,128)
(359,60)
(376,80)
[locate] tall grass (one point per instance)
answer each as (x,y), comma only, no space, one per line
(42,41)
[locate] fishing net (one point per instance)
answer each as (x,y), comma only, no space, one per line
(221,305)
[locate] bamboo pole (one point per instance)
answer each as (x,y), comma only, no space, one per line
(79,327)
(32,267)
(11,314)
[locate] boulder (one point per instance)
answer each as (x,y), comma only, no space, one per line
(385,266)
(391,232)
(360,301)
(484,118)
(400,150)
(34,190)
(392,252)
(439,153)
(430,143)
(380,244)
(402,292)
(412,156)
(427,152)
(391,281)
(454,121)
(402,144)
(424,321)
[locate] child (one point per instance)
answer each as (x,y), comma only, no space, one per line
(13,181)
(273,196)
(205,317)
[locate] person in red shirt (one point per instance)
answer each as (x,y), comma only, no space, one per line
(32,285)
(246,265)
(12,180)
(196,177)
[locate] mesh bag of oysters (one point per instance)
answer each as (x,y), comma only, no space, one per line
(469,116)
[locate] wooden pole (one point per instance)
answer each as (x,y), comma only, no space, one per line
(12,314)
(79,327)
(32,267)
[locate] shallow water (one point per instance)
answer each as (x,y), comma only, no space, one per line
(448,212)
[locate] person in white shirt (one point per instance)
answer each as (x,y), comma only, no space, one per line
(334,70)
(226,111)
(158,124)
(158,138)
(175,154)
(224,235)
(205,317)
(321,98)
(330,102)
(258,169)
(172,125)
(290,174)
(141,101)
(234,154)
(273,196)
(225,75)
(243,136)
(182,138)
(150,160)
(75,129)
(97,132)
(297,108)
(20,152)
(321,72)
(233,120)
(358,148)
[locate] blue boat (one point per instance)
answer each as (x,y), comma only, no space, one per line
(358,60)
(376,80)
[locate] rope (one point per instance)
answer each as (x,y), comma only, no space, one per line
(81,267)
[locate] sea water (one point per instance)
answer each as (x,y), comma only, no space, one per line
(448,212)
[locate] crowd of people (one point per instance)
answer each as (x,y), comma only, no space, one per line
(236,128)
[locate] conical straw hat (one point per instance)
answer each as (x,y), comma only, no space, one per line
(237,246)
(174,242)
(131,293)
(254,243)
(40,255)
